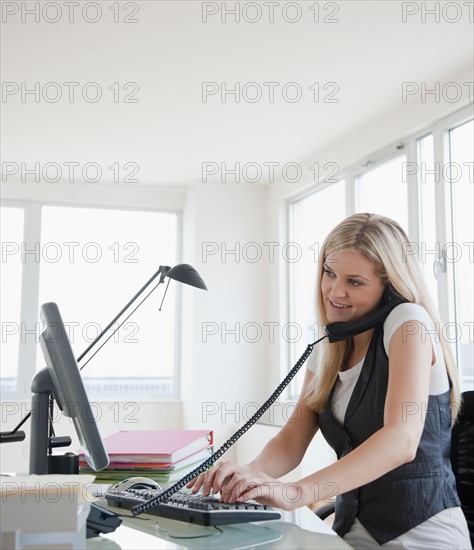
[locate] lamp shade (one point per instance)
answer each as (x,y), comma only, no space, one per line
(185,273)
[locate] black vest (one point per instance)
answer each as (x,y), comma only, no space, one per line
(411,493)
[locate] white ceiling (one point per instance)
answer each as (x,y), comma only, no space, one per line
(170,52)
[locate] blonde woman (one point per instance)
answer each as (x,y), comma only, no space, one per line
(384,399)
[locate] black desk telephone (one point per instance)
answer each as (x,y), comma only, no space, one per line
(100,521)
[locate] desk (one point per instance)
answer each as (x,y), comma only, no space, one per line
(152,532)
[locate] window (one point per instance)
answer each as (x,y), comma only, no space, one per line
(311,220)
(426,183)
(374,185)
(429,180)
(445,187)
(10,288)
(459,252)
(91,261)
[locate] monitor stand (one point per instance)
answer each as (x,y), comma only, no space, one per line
(41,442)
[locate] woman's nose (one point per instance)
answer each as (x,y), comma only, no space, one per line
(338,289)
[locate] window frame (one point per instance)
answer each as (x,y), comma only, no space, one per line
(27,197)
(289,358)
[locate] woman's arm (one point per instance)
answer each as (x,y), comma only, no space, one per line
(279,456)
(285,451)
(396,443)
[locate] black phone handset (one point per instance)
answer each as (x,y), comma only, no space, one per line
(334,332)
(341,330)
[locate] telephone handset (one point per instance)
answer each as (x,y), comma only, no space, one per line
(341,330)
(334,332)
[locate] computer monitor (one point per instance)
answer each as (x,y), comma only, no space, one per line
(62,380)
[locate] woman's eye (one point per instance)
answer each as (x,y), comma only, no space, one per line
(354,283)
(327,272)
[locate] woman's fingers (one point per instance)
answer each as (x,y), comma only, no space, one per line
(272,492)
(256,491)
(233,482)
(196,483)
(223,475)
(206,480)
(215,479)
(240,482)
(234,487)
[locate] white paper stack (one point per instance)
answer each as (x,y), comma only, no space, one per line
(48,511)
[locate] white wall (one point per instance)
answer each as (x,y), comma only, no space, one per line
(226,371)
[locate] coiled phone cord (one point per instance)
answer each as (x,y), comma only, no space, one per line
(165,495)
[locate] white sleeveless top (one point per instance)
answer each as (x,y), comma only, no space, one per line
(404,313)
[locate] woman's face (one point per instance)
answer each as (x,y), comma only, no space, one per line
(349,285)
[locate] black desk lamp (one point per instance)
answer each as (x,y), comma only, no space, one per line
(184,273)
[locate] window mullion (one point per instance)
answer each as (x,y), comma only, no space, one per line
(443,222)
(350,193)
(413,192)
(29,329)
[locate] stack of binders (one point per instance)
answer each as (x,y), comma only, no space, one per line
(162,455)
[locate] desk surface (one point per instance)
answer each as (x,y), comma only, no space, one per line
(152,532)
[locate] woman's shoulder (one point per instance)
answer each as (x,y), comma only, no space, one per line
(404,313)
(408,311)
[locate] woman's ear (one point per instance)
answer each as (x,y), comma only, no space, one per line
(388,295)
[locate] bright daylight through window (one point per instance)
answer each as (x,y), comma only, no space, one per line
(91,262)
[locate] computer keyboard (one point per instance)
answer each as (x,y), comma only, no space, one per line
(193,508)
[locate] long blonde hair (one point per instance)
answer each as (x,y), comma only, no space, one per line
(382,241)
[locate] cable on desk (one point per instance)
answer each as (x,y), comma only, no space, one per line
(158,529)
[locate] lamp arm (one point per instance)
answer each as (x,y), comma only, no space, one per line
(163,269)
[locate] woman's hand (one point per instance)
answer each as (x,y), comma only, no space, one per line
(217,478)
(240,483)
(272,492)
